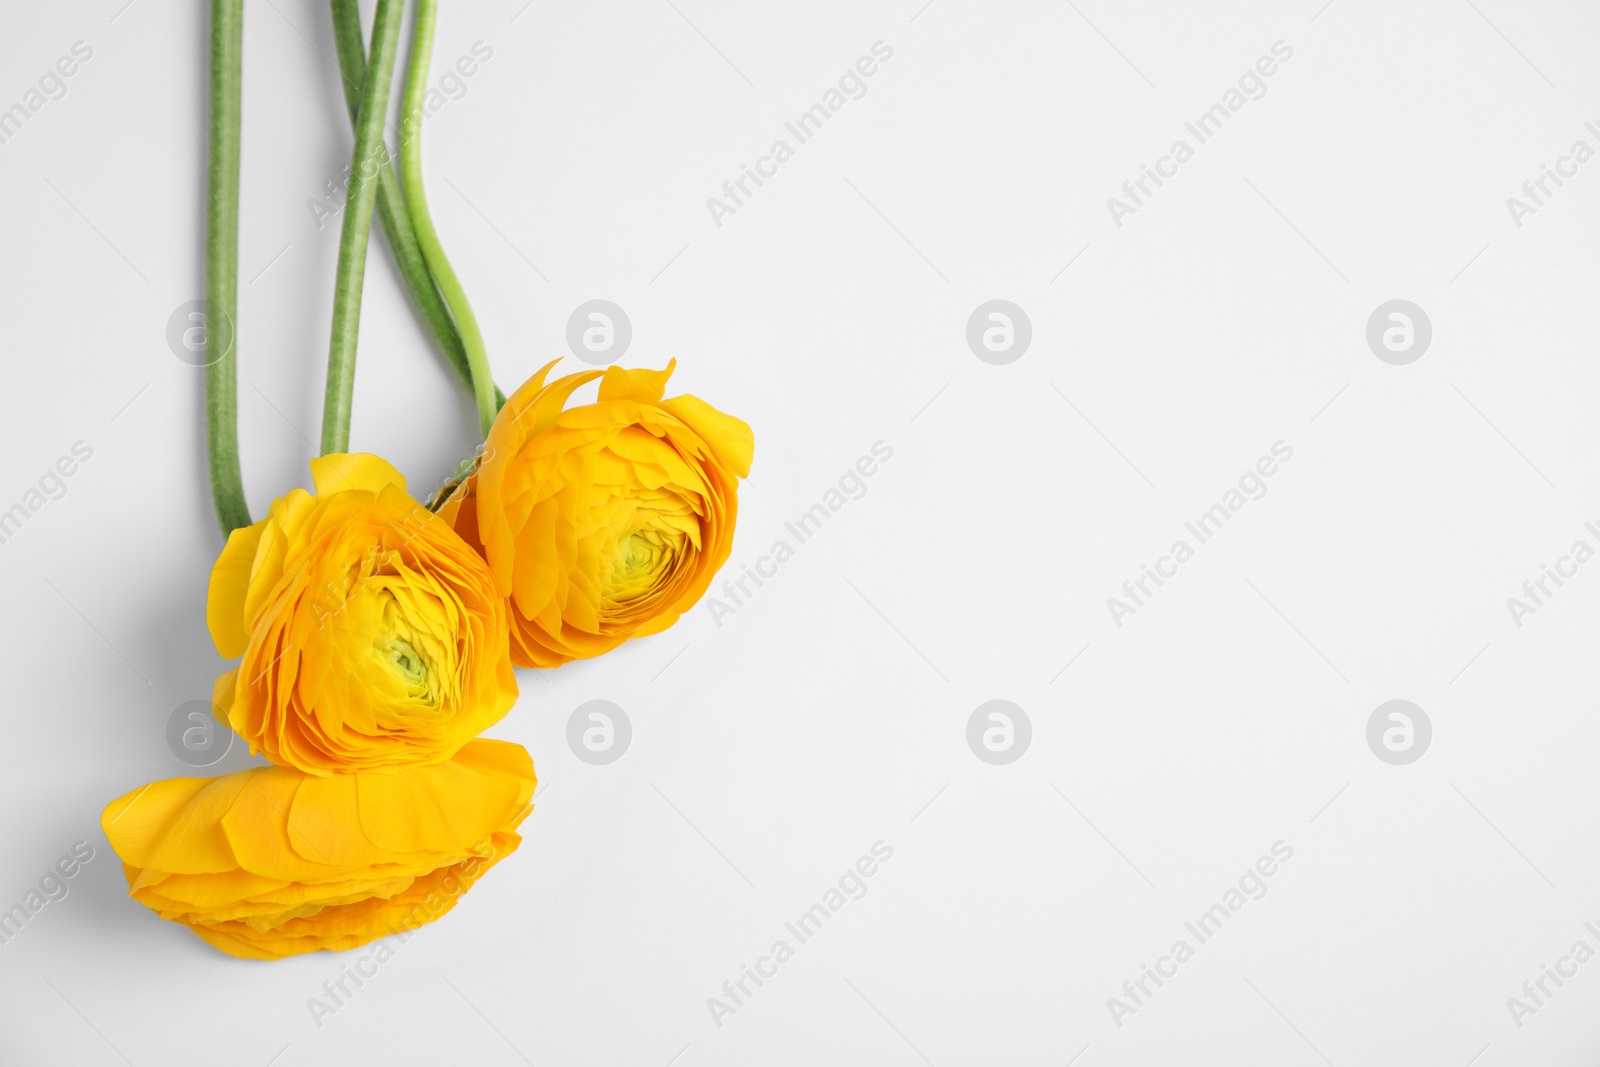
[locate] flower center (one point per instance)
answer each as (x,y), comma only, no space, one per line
(410,667)
(637,552)
(640,559)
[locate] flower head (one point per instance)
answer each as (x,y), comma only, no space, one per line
(604,521)
(272,862)
(371,634)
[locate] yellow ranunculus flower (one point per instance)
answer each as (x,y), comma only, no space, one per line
(271,862)
(372,635)
(604,521)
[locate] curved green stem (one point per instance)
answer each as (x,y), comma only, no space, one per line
(392,207)
(222,266)
(367,160)
(416,200)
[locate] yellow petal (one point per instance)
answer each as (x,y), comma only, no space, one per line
(730,436)
(339,471)
(174,824)
(230,582)
(644,386)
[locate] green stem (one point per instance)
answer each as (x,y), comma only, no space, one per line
(367,160)
(416,200)
(222,265)
(392,207)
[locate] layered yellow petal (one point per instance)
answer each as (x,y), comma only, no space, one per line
(230,582)
(339,471)
(272,862)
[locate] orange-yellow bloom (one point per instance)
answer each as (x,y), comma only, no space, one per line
(271,862)
(604,521)
(372,635)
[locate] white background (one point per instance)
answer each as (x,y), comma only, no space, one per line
(830,711)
